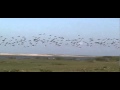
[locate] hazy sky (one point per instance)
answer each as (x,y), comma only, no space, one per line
(69,28)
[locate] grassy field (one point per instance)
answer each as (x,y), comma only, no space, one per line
(38,65)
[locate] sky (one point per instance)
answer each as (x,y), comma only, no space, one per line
(69,28)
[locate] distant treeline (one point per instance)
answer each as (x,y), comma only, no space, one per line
(107,58)
(103,58)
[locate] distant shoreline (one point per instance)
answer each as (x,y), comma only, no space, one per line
(62,55)
(58,55)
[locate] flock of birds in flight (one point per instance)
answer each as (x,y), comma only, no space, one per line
(58,41)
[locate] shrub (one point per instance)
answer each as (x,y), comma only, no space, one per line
(37,58)
(12,58)
(59,58)
(45,70)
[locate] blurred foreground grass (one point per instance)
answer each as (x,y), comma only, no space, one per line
(103,64)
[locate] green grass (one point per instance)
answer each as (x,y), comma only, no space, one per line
(38,65)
